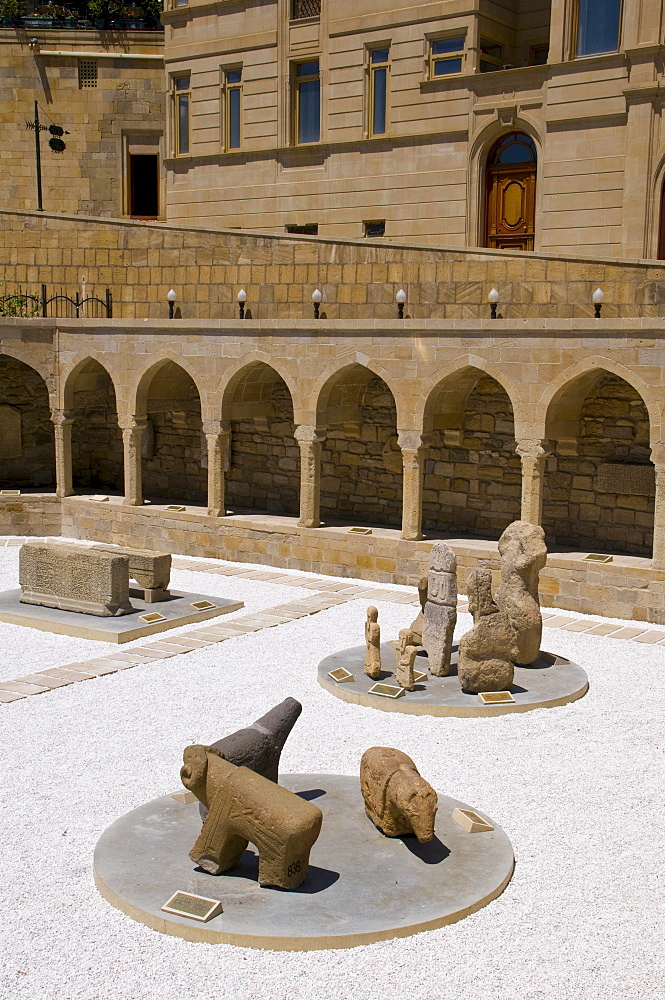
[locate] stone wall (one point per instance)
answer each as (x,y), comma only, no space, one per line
(97,453)
(361,462)
(26,433)
(175,454)
(473,478)
(578,508)
(140,262)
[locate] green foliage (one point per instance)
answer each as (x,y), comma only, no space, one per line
(11,8)
(18,304)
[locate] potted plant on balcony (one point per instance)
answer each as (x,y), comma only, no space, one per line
(129,19)
(10,11)
(43,17)
(100,13)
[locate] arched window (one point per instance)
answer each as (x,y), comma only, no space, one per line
(510,215)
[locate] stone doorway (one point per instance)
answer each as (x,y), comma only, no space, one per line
(510,214)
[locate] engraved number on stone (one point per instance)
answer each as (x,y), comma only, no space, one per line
(293,869)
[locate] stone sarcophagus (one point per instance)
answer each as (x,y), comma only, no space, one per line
(75,578)
(151,570)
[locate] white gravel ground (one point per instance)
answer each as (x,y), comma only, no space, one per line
(579,790)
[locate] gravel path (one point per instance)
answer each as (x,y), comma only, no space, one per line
(578,789)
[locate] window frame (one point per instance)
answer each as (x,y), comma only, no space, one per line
(296,81)
(433,57)
(576,33)
(228,88)
(177,94)
(495,61)
(372,69)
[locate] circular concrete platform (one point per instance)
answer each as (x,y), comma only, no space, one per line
(552,681)
(362,886)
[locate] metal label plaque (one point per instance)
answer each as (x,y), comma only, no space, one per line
(598,557)
(386,690)
(154,617)
(10,493)
(186,904)
(495,698)
(100,499)
(174,506)
(202,605)
(638,480)
(419,676)
(359,531)
(340,675)
(471,821)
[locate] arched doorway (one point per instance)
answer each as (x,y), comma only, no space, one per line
(510,213)
(27,456)
(661,224)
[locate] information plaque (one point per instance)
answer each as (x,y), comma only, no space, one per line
(153,617)
(10,493)
(598,557)
(202,605)
(186,904)
(386,690)
(471,821)
(175,506)
(419,676)
(100,499)
(495,698)
(359,531)
(340,675)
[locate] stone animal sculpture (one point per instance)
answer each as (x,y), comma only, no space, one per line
(397,800)
(405,652)
(523,554)
(260,745)
(372,665)
(440,613)
(418,622)
(484,661)
(245,807)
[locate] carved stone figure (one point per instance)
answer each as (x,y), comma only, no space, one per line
(75,578)
(440,615)
(418,623)
(405,651)
(484,661)
(260,745)
(243,807)
(397,800)
(372,664)
(523,554)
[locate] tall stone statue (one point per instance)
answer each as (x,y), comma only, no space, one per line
(397,799)
(441,608)
(245,807)
(523,554)
(405,652)
(484,661)
(418,622)
(372,665)
(260,745)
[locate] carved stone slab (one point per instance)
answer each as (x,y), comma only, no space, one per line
(73,578)
(638,480)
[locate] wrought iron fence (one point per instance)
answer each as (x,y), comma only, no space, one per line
(59,305)
(77,14)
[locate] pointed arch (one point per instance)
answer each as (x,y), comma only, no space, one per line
(455,378)
(27,448)
(353,369)
(141,384)
(240,368)
(89,395)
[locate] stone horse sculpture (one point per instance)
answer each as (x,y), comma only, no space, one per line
(244,806)
(397,800)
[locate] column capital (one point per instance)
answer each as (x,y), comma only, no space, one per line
(214,428)
(532,448)
(410,440)
(309,434)
(658,453)
(132,423)
(62,417)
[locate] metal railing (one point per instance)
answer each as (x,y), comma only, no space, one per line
(77,15)
(59,306)
(305,8)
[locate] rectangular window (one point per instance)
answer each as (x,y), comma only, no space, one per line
(307,108)
(181,98)
(232,108)
(375,229)
(491,56)
(446,56)
(539,55)
(305,8)
(309,229)
(87,73)
(598,23)
(378,91)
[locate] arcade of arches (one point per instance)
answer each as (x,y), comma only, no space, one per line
(463,474)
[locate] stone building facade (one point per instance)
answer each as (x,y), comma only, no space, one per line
(106,89)
(365,117)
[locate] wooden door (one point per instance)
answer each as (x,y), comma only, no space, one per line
(511,194)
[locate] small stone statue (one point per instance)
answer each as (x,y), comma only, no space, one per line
(440,615)
(260,745)
(405,652)
(397,800)
(245,807)
(372,665)
(523,554)
(418,622)
(484,661)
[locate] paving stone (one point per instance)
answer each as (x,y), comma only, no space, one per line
(627,633)
(579,626)
(20,687)
(558,621)
(43,679)
(7,696)
(651,637)
(69,675)
(190,643)
(603,629)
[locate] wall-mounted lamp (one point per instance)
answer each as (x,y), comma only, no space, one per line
(597,299)
(171,297)
(242,298)
(400,299)
(316,299)
(493,298)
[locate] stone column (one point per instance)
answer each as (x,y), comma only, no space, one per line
(411,444)
(658,459)
(533,453)
(62,422)
(132,435)
(310,439)
(217,438)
